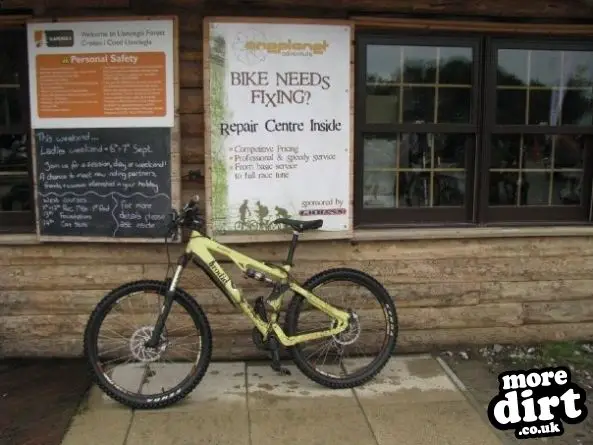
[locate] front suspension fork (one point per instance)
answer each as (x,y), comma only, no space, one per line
(153,342)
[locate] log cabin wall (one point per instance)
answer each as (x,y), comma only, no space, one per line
(454,290)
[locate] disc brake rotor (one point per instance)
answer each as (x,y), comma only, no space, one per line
(141,352)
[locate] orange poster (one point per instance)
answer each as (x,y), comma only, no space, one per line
(94,85)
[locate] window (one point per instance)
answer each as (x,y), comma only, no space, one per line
(16,210)
(472,131)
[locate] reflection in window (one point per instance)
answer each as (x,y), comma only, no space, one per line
(418,83)
(415,170)
(540,170)
(543,87)
(15,186)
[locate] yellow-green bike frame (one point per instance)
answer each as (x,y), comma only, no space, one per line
(199,250)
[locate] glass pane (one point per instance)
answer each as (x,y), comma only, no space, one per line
(577,106)
(402,83)
(567,188)
(383,80)
(577,69)
(415,170)
(9,57)
(569,152)
(535,188)
(10,107)
(532,170)
(449,189)
(380,171)
(544,87)
(545,68)
(454,105)
(420,64)
(382,104)
(455,66)
(510,107)
(540,107)
(15,193)
(13,152)
(512,67)
(418,104)
(428,171)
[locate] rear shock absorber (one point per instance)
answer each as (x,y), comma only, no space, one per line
(254,274)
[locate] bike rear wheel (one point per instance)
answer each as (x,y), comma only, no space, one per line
(144,372)
(370,353)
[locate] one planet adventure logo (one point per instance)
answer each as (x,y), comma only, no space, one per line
(253,46)
(536,402)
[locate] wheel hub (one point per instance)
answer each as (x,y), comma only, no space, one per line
(137,345)
(351,333)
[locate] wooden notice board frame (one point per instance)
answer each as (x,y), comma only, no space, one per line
(175,138)
(258,237)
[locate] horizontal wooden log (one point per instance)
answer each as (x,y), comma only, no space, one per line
(536,290)
(192,125)
(409,341)
(432,295)
(86,276)
(191,100)
(559,311)
(123,321)
(343,8)
(67,301)
(190,74)
(192,150)
(397,251)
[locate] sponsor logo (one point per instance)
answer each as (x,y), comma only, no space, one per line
(536,402)
(58,38)
(288,47)
(314,212)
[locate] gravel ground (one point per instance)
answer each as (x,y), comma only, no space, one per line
(478,369)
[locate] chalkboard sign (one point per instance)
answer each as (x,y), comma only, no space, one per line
(103,182)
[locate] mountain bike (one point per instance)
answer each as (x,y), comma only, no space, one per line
(153,336)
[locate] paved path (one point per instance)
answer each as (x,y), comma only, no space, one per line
(412,402)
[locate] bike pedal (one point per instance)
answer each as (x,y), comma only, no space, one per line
(274,347)
(280,369)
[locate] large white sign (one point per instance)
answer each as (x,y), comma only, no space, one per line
(280,125)
(101,74)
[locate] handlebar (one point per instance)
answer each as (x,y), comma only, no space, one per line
(189,216)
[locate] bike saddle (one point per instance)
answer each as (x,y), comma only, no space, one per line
(300,226)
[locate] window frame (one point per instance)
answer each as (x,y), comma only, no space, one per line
(405,217)
(477,211)
(523,215)
(20,221)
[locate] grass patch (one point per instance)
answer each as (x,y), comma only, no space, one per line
(568,352)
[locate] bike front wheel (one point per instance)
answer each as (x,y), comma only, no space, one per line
(129,372)
(357,354)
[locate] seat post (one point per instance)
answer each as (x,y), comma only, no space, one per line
(292,248)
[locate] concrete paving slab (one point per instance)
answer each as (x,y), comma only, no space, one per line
(439,423)
(409,379)
(267,389)
(220,426)
(303,424)
(128,376)
(99,427)
(223,384)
